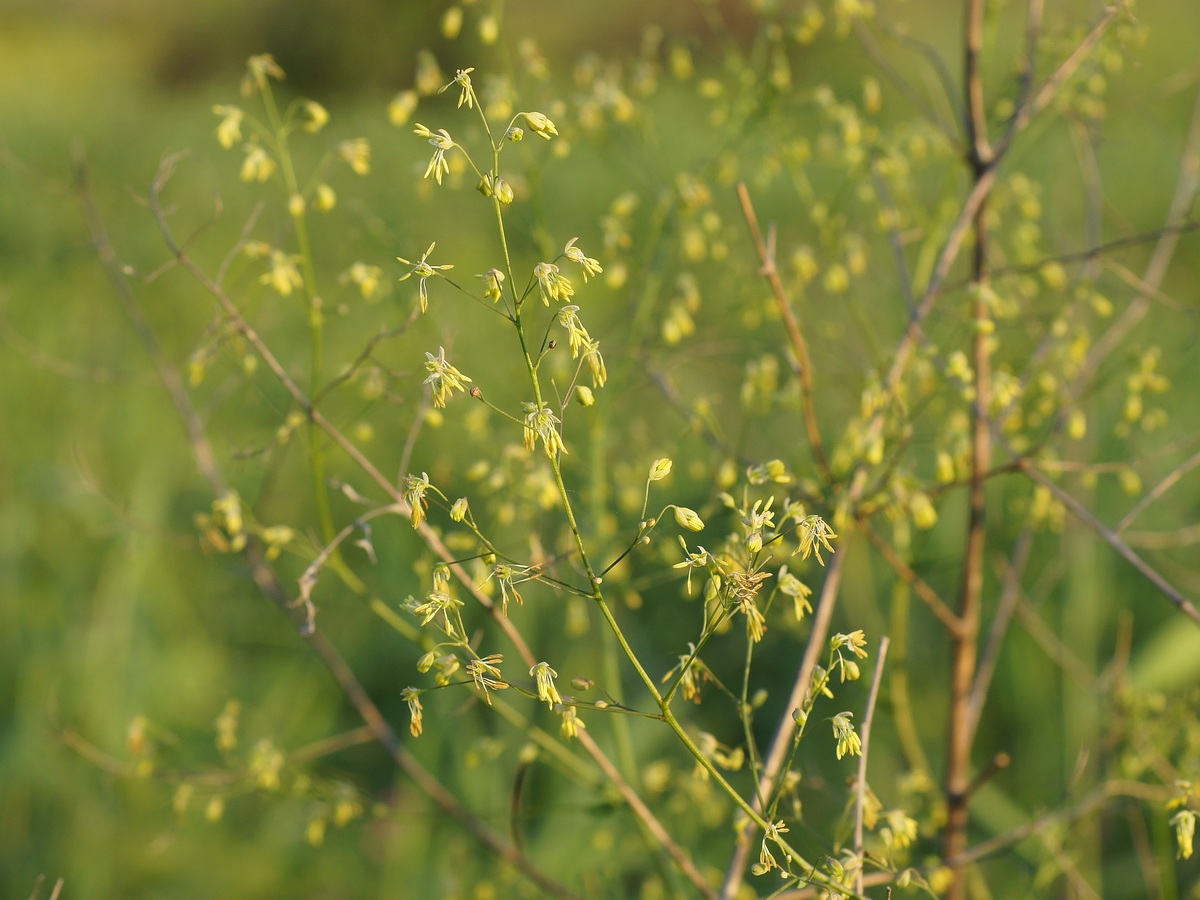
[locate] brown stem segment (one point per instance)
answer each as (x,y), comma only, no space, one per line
(964,646)
(769,271)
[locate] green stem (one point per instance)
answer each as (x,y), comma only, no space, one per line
(742,803)
(316,453)
(595,581)
(611,658)
(906,729)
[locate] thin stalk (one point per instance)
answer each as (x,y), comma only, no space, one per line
(865,736)
(595,581)
(902,713)
(610,656)
(1168,590)
(964,641)
(769,271)
(262,574)
(782,743)
(316,452)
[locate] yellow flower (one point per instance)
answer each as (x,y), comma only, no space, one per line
(229,131)
(571,723)
(256,249)
(284,277)
(443,378)
(365,276)
(414,495)
(848,741)
(901,830)
(551,283)
(263,66)
(814,534)
(590,266)
(577,335)
(507,578)
(276,537)
(855,640)
(544,677)
(923,511)
(214,809)
(266,764)
(326,198)
(486,674)
(660,469)
(423,271)
(442,142)
(318,116)
(467,94)
(429,74)
(492,281)
(489,29)
(403,105)
(227,726)
(452,22)
(258,165)
(595,364)
(412,696)
(1185,832)
(539,423)
(539,124)
(356,154)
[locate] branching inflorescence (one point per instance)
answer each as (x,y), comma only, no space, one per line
(541,537)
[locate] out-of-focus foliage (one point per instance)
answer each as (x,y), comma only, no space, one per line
(162,723)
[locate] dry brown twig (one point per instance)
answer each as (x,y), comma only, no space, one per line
(803,362)
(983,161)
(1110,537)
(37,888)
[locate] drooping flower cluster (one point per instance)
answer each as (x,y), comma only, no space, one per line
(443,377)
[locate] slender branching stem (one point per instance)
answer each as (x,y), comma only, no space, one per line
(865,736)
(782,742)
(769,271)
(261,572)
(964,640)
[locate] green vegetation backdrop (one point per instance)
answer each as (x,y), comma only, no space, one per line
(166,732)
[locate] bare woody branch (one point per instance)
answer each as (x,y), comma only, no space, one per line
(769,271)
(1114,540)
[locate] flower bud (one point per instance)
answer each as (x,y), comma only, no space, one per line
(540,124)
(660,469)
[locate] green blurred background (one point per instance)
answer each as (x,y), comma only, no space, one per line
(109,610)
